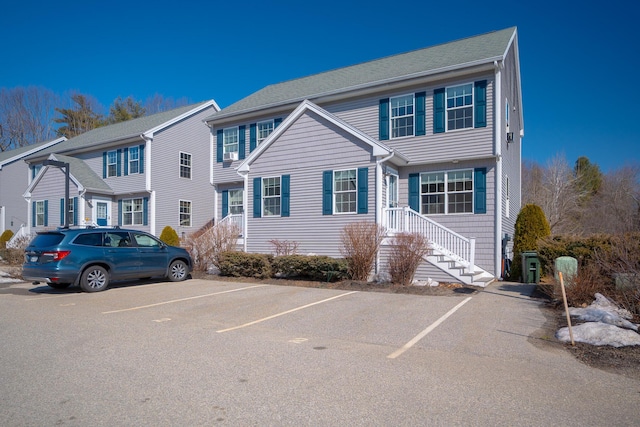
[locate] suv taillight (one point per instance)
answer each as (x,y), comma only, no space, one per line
(57,255)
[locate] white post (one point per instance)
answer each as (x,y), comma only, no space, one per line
(472,254)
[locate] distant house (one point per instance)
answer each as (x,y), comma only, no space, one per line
(14,176)
(427,141)
(145,173)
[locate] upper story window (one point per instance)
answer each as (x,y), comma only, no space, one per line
(185,165)
(460,107)
(402,116)
(345,187)
(112,163)
(134,160)
(230,141)
(271,192)
(264,130)
(446,192)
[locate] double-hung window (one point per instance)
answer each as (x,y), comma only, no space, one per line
(185,165)
(402,117)
(132,211)
(134,160)
(112,163)
(264,130)
(271,192)
(40,213)
(230,141)
(345,187)
(446,192)
(235,202)
(185,213)
(460,106)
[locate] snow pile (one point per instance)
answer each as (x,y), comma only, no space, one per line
(606,324)
(6,278)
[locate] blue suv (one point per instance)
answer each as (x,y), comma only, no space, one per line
(93,257)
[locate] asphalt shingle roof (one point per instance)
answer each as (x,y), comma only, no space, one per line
(6,155)
(478,49)
(84,174)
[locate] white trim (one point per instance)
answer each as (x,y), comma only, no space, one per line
(262,196)
(180,153)
(190,213)
(472,106)
(335,210)
(210,103)
(413,98)
(498,127)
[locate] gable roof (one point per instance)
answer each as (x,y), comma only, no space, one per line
(478,50)
(378,149)
(130,129)
(79,172)
(11,156)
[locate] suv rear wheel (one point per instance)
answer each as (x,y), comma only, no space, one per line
(94,279)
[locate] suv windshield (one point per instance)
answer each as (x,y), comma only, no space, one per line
(47,239)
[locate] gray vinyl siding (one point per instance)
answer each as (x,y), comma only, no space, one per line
(432,147)
(14,178)
(189,136)
(309,147)
(119,184)
(480,226)
(51,188)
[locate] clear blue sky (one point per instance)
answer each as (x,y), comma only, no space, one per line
(579,60)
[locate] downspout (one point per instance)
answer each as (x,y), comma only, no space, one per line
(379,216)
(497,124)
(147,176)
(245,203)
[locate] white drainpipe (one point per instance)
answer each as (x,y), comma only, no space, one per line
(498,174)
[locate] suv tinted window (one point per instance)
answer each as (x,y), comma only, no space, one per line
(117,239)
(89,239)
(47,239)
(145,241)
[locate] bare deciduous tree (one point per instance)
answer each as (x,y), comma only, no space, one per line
(26,116)
(158,103)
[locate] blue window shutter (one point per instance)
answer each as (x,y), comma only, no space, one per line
(118,162)
(126,161)
(75,211)
(46,213)
(33,172)
(104,164)
(383,120)
(253,138)
(414,191)
(62,211)
(257,197)
(141,158)
(33,214)
(285,191)
(119,212)
(480,190)
(327,193)
(438,111)
(480,100)
(145,211)
(225,203)
(363,190)
(219,148)
(421,113)
(242,145)
(276,122)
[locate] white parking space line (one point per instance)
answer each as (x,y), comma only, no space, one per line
(285,312)
(422,334)
(180,300)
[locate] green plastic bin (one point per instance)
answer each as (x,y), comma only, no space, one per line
(530,267)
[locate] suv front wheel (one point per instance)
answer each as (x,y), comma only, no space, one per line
(178,271)
(94,279)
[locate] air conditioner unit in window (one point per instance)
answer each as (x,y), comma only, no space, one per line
(230,156)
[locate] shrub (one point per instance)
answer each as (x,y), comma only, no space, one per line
(169,236)
(5,237)
(313,267)
(407,252)
(242,264)
(360,244)
(12,256)
(531,225)
(206,244)
(284,247)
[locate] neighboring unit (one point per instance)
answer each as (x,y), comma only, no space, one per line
(14,177)
(427,141)
(145,173)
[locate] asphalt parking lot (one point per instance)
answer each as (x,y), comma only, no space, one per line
(204,352)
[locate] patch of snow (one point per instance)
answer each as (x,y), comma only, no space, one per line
(428,282)
(606,324)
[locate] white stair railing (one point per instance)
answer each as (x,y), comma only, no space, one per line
(20,237)
(235,219)
(445,241)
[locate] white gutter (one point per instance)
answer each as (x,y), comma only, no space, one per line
(497,125)
(148,137)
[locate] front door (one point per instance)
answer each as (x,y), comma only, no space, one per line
(102,214)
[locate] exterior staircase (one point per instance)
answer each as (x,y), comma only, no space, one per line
(450,252)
